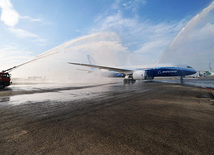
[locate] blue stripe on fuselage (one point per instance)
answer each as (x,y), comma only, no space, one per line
(169,71)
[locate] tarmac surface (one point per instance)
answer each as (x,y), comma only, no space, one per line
(141,118)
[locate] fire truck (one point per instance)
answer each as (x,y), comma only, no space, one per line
(4,79)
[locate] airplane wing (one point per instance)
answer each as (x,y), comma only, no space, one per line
(119,70)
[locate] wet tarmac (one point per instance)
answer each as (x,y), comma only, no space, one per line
(113,118)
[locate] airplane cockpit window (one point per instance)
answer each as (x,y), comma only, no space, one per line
(189,67)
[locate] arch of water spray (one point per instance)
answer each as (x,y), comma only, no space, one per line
(104,47)
(194,45)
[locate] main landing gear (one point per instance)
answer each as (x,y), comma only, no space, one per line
(129,81)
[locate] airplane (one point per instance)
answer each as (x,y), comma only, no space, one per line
(206,72)
(131,75)
(209,73)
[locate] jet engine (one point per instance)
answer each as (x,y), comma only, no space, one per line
(140,75)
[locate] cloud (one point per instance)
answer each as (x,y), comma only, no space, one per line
(11,18)
(143,38)
(22,33)
(9,15)
(133,5)
(25,34)
(128,5)
(31,19)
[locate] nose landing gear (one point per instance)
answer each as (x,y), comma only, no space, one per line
(182,79)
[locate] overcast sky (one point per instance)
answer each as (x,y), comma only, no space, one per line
(30,27)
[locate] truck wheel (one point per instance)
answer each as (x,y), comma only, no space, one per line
(2,86)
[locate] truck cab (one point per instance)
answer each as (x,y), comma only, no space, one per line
(4,80)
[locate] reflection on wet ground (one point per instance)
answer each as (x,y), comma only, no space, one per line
(33,93)
(49,99)
(59,93)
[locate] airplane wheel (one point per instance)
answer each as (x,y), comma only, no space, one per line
(128,81)
(133,81)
